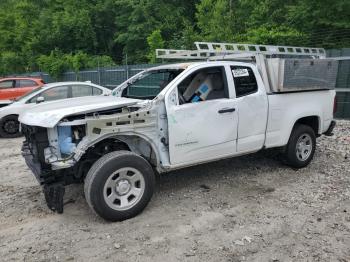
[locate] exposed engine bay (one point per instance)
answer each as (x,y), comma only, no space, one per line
(64,154)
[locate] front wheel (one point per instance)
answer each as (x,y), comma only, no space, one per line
(119,185)
(301,146)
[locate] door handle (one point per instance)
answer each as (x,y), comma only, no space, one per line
(226,110)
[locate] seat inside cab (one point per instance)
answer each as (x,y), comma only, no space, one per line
(202,85)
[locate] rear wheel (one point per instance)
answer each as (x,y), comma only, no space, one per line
(9,127)
(119,185)
(301,146)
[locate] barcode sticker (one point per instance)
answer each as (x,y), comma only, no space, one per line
(240,72)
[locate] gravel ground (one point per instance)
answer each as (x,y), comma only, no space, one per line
(251,208)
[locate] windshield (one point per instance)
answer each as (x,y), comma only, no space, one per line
(150,83)
(27,94)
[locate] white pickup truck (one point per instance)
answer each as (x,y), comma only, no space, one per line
(170,117)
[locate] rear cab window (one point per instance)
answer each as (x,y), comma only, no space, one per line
(244,80)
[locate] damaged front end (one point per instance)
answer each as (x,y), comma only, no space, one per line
(33,153)
(64,154)
(65,138)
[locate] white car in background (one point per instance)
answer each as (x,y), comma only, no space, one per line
(9,125)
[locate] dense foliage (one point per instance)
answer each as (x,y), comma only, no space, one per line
(54,35)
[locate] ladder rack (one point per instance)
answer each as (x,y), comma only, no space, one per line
(208,50)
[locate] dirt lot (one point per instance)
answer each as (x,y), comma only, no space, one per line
(250,208)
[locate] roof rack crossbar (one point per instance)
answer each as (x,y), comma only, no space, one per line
(208,50)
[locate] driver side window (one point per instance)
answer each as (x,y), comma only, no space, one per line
(202,85)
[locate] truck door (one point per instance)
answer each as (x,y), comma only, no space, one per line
(252,107)
(202,117)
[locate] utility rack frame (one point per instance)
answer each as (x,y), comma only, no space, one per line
(282,68)
(208,50)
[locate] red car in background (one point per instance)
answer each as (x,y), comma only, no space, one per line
(11,88)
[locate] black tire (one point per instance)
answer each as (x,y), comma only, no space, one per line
(9,127)
(293,156)
(101,172)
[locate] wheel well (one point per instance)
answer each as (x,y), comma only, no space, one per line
(95,152)
(3,119)
(11,115)
(106,146)
(140,146)
(311,121)
(134,144)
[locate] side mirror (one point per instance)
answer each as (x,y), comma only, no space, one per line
(40,99)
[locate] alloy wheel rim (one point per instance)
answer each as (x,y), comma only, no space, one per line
(11,127)
(304,147)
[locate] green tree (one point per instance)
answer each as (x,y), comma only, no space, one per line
(279,35)
(215,20)
(154,41)
(10,62)
(77,61)
(100,61)
(54,64)
(136,20)
(89,33)
(325,24)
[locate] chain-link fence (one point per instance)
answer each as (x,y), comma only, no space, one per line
(107,76)
(343,81)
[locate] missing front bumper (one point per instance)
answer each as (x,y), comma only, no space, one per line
(53,192)
(33,165)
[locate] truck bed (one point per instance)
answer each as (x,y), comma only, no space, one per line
(286,108)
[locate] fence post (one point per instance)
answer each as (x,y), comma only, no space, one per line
(127,67)
(99,71)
